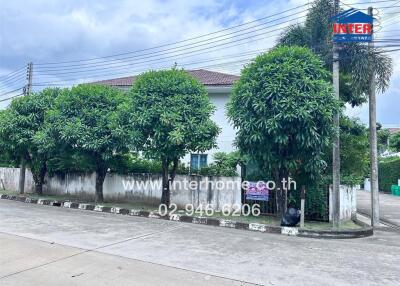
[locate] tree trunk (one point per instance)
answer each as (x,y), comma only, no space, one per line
(101,172)
(39,178)
(22,169)
(281,192)
(278,195)
(165,197)
(174,169)
(284,175)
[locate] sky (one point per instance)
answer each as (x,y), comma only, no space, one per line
(47,32)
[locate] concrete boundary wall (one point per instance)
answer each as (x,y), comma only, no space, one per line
(143,188)
(9,180)
(348,203)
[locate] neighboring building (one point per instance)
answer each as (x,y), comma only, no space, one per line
(219,87)
(393,130)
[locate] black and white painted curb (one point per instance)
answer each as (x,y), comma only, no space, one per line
(290,231)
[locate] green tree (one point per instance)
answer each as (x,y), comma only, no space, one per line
(383,136)
(168,116)
(394,141)
(80,121)
(354,152)
(283,108)
(356,60)
(19,124)
(225,164)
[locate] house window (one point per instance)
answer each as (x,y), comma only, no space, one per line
(198,161)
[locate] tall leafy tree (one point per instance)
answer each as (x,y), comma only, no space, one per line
(356,60)
(354,155)
(283,108)
(20,123)
(80,121)
(168,116)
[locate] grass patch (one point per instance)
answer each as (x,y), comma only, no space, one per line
(314,225)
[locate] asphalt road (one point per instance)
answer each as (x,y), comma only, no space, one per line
(389,206)
(42,245)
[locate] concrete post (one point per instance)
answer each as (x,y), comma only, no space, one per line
(302,206)
(373,141)
(336,139)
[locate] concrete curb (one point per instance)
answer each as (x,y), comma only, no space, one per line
(389,225)
(288,231)
(341,234)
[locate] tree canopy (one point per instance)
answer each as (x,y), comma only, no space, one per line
(80,120)
(283,109)
(168,116)
(20,123)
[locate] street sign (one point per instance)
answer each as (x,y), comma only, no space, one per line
(352,26)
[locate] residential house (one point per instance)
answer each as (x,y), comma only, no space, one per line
(219,87)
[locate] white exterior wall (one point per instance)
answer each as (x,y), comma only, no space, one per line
(143,188)
(9,180)
(348,203)
(227,136)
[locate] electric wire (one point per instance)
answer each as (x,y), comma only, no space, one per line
(177,42)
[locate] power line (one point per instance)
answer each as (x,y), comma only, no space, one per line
(191,53)
(184,64)
(91,76)
(11,91)
(389,51)
(188,65)
(13,78)
(174,43)
(368,3)
(11,81)
(162,58)
(12,97)
(175,49)
(11,73)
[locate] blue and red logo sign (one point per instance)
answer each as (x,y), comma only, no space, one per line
(352,26)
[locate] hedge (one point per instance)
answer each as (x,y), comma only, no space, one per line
(389,173)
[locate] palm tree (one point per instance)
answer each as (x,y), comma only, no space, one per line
(356,60)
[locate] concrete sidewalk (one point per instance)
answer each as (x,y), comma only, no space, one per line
(389,206)
(26,261)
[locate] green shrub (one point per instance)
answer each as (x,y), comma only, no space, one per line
(225,165)
(389,173)
(131,163)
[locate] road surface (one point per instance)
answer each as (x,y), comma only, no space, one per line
(389,206)
(43,245)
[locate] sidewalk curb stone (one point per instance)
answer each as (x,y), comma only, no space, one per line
(288,231)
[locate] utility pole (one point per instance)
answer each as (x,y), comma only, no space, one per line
(373,137)
(22,168)
(336,139)
(29,78)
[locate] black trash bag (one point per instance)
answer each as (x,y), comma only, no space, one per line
(291,218)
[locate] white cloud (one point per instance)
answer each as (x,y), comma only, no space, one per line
(52,31)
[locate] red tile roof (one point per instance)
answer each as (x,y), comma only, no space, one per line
(208,78)
(394,130)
